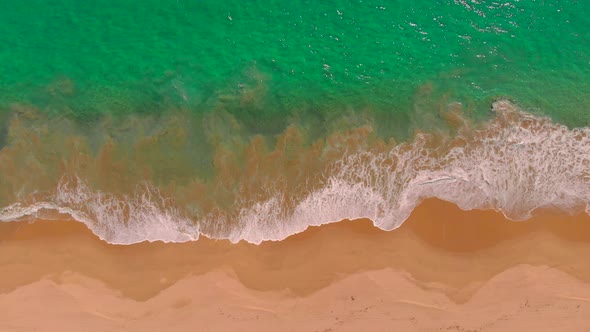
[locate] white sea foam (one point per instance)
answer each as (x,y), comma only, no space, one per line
(117,220)
(514,164)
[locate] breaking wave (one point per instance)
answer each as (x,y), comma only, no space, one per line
(515,163)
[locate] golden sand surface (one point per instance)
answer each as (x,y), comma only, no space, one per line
(443,269)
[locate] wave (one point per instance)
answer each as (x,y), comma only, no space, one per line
(113,219)
(515,163)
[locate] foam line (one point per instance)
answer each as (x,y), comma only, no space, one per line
(515,164)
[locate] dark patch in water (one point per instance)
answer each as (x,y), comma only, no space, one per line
(3,130)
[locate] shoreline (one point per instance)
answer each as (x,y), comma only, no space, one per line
(440,254)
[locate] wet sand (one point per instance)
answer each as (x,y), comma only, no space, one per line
(444,269)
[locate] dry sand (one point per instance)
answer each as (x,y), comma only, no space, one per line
(444,269)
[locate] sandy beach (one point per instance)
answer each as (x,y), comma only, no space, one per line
(444,270)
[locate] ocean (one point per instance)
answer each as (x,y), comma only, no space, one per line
(168,120)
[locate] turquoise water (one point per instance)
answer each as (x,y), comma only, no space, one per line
(217,103)
(127,56)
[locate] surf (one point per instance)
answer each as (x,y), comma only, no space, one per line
(514,163)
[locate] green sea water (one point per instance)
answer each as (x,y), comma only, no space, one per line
(179,93)
(130,56)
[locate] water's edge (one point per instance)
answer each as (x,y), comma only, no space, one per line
(515,164)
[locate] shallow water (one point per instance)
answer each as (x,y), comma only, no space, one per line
(166,120)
